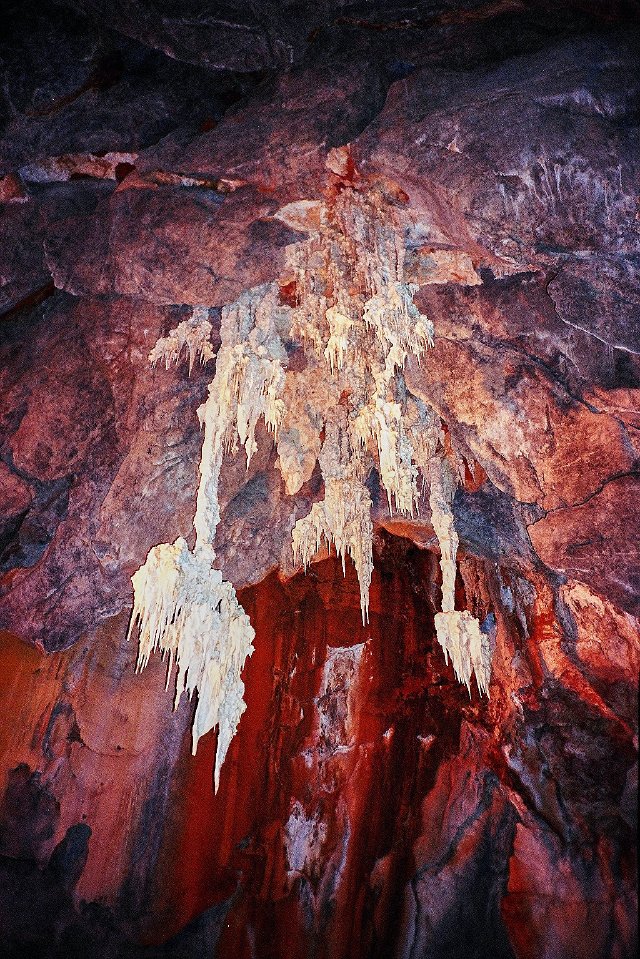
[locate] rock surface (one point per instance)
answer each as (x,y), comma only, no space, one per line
(367,807)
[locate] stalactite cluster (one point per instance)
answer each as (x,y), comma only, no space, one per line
(184,608)
(345,303)
(354,313)
(192,335)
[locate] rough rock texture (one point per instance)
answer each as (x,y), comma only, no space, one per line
(367,806)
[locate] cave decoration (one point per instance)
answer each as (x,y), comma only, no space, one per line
(345,305)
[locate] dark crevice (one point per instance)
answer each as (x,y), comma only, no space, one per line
(30,301)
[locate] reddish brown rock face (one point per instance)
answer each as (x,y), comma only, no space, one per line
(368,806)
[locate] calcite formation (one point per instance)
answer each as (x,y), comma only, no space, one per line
(343,518)
(352,312)
(182,606)
(458,632)
(192,336)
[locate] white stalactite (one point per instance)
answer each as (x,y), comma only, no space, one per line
(346,407)
(193,334)
(184,609)
(461,638)
(458,631)
(342,518)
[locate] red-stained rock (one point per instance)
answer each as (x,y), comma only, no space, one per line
(452,905)
(606,647)
(532,439)
(624,403)
(87,757)
(544,892)
(365,806)
(322,747)
(170,246)
(597,542)
(16,495)
(70,403)
(316,110)
(11,190)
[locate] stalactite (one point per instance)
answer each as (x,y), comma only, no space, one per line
(250,368)
(343,517)
(350,310)
(458,632)
(184,609)
(355,310)
(182,606)
(193,334)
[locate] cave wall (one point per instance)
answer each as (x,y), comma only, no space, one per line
(368,806)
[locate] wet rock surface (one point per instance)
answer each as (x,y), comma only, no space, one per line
(144,155)
(368,806)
